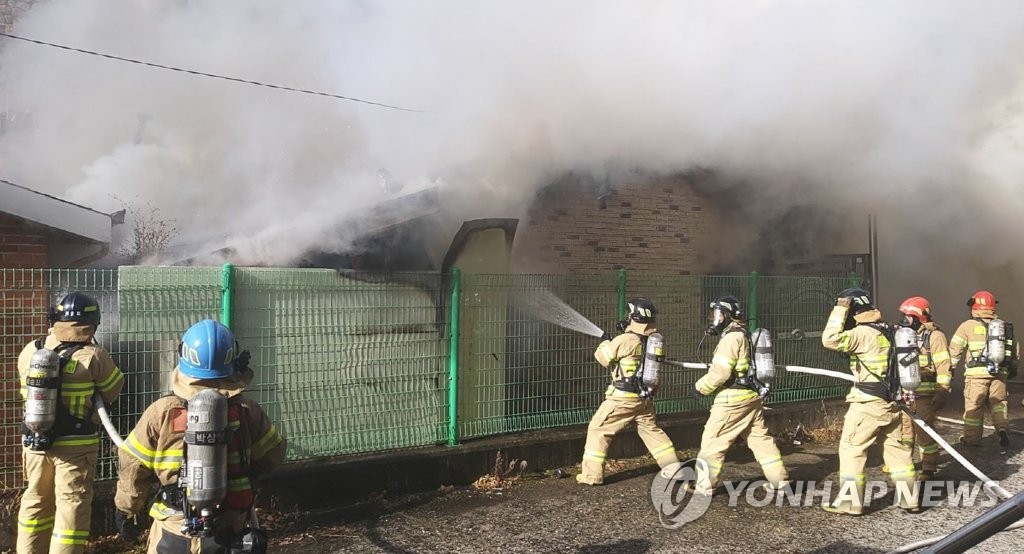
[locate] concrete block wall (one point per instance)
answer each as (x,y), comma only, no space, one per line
(664,225)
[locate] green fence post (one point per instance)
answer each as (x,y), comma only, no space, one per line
(453,359)
(854,279)
(227,284)
(622,294)
(752,302)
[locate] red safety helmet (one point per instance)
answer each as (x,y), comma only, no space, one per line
(982,300)
(917,306)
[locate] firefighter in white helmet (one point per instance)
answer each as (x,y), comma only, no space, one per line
(856,328)
(984,376)
(163,443)
(627,398)
(60,463)
(936,379)
(737,411)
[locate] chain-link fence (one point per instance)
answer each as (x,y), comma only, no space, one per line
(353,362)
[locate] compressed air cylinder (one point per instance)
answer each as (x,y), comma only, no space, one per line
(995,341)
(764,358)
(206,449)
(908,358)
(653,355)
(42,390)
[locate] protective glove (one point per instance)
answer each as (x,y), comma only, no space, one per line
(844,301)
(127,527)
(606,336)
(939,400)
(622,325)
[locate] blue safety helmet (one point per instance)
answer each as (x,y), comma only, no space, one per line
(207,351)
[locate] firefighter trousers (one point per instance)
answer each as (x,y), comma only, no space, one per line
(866,423)
(612,416)
(56,507)
(912,435)
(725,425)
(983,394)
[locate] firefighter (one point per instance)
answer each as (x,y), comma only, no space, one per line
(856,328)
(936,378)
(627,399)
(156,450)
(737,411)
(984,379)
(60,465)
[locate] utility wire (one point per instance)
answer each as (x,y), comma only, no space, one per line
(215,76)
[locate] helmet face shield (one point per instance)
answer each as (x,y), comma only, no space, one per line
(718,318)
(910,321)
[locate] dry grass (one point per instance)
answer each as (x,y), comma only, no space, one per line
(502,476)
(831,428)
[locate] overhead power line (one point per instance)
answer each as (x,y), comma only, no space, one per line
(213,75)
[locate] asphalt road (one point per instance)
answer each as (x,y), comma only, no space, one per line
(546,514)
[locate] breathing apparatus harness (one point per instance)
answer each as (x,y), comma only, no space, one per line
(926,345)
(634,383)
(982,359)
(887,387)
(749,380)
(65,424)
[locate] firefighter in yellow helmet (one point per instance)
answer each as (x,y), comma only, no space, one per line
(60,462)
(984,376)
(856,328)
(169,438)
(628,398)
(737,411)
(936,378)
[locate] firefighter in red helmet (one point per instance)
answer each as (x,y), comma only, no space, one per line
(989,359)
(936,377)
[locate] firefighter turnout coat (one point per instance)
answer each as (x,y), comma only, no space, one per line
(736,413)
(869,418)
(622,405)
(983,391)
(154,453)
(936,379)
(56,507)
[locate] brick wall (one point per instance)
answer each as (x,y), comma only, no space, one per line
(23,304)
(21,244)
(661,226)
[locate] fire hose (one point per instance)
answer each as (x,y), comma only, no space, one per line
(989,483)
(101,409)
(1000,519)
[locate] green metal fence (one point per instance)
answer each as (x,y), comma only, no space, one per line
(357,362)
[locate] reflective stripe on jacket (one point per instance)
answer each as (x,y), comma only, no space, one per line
(90,370)
(731,361)
(623,356)
(155,450)
(868,349)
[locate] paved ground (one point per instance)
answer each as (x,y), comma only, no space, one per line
(541,513)
(546,514)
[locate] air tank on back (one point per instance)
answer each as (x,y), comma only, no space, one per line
(995,341)
(41,386)
(206,449)
(764,357)
(907,358)
(654,353)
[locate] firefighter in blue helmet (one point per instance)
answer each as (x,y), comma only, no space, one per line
(157,450)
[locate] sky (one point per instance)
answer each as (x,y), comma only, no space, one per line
(911,110)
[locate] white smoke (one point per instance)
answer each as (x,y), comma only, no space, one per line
(911,110)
